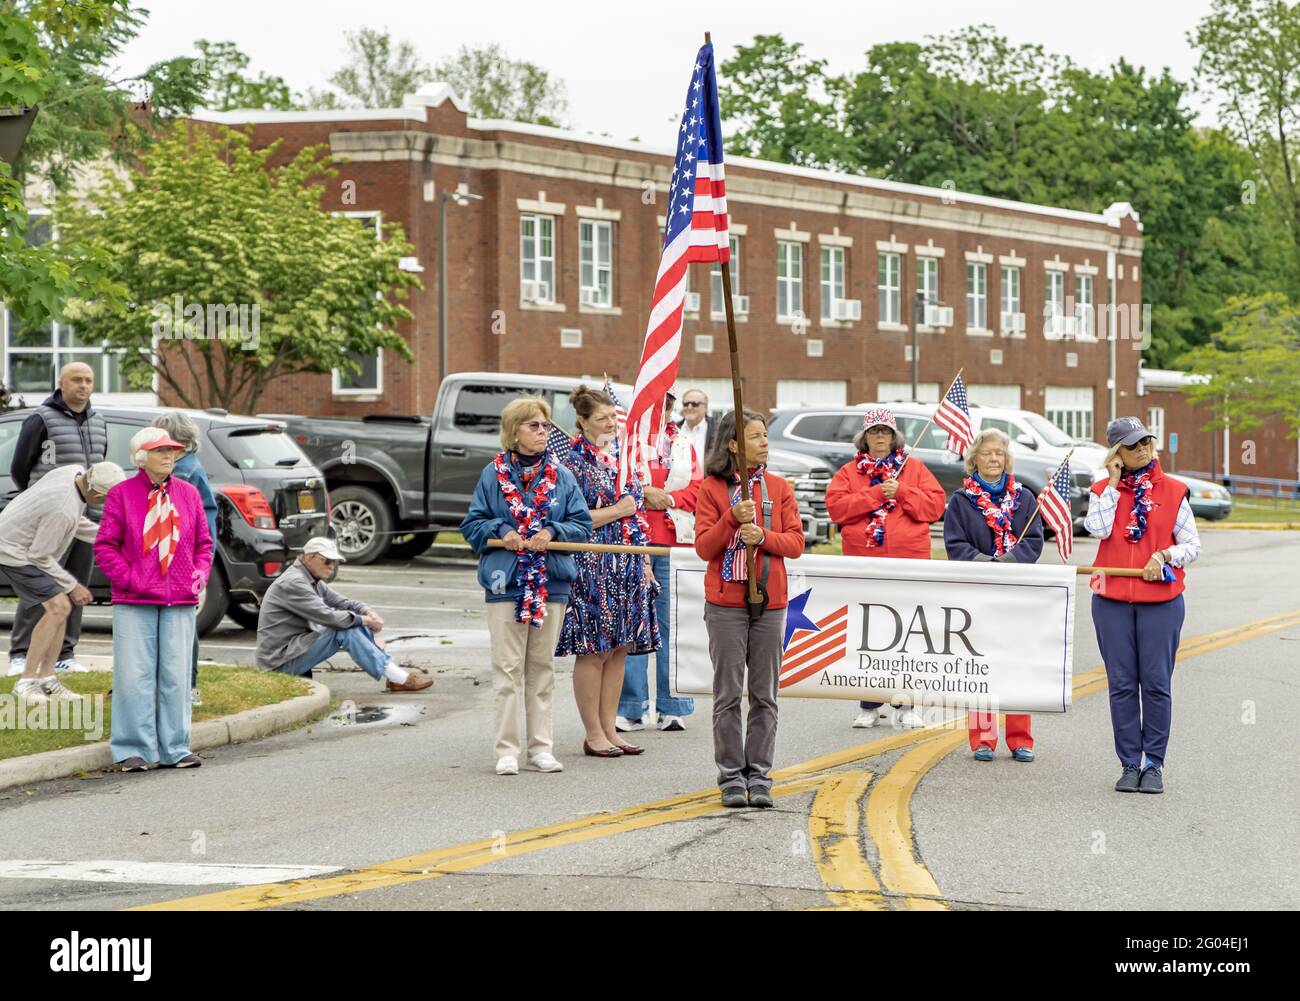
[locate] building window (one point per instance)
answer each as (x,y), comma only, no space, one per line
(595,262)
(1070,409)
(1083,305)
(717,306)
(1056,293)
(369,379)
(927,283)
(889,285)
(537,258)
(789,279)
(977,296)
(811,393)
(1156,424)
(832,284)
(1010,295)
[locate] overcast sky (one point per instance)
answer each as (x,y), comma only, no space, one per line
(627,65)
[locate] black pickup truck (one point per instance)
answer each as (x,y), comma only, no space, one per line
(395,482)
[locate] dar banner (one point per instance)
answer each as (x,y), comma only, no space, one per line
(990,636)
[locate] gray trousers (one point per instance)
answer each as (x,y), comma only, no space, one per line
(744,759)
(77,562)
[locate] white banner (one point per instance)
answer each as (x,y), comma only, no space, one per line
(927,632)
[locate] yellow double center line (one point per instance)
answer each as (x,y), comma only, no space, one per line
(834,823)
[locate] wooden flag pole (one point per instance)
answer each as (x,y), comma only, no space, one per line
(928,422)
(742,459)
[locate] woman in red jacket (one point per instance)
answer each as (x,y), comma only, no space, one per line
(727,519)
(884,506)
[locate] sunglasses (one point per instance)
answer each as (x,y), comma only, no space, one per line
(537,426)
(692,403)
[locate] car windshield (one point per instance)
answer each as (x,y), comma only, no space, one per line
(1048,431)
(259,448)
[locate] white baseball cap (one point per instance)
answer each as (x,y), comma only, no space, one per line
(323,547)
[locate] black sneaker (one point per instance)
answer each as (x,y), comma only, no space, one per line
(133,765)
(734,797)
(760,797)
(1151,781)
(1128,782)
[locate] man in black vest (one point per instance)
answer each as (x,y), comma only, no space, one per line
(63,430)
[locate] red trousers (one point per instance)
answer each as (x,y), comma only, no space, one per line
(983,729)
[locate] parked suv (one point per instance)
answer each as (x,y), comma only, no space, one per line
(270,501)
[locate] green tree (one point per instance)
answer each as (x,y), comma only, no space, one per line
(229,86)
(378,74)
(205,222)
(496,86)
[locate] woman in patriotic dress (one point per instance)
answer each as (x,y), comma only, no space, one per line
(612,605)
(988,519)
(527,499)
(884,504)
(1143,519)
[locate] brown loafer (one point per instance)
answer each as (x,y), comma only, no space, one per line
(608,752)
(413,683)
(630,748)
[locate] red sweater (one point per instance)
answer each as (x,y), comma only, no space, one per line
(921,500)
(1116,551)
(715,527)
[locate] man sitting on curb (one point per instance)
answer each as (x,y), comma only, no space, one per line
(36,530)
(303,622)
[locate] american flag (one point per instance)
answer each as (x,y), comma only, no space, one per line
(953,416)
(558,440)
(620,415)
(695,230)
(1055,504)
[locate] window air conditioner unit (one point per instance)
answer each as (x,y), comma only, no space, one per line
(1013,323)
(531,291)
(846,309)
(1083,322)
(692,302)
(740,305)
(589,295)
(1062,326)
(938,316)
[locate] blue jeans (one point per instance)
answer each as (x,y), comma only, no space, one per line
(152,646)
(358,641)
(635,698)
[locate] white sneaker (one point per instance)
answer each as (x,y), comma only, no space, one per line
(55,689)
(866,720)
(17,665)
(624,725)
(541,763)
(910,719)
(670,723)
(508,765)
(884,711)
(29,690)
(72,665)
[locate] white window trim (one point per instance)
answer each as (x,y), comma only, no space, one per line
(598,308)
(336,383)
(552,305)
(721,314)
(881,290)
(822,285)
(798,313)
(1006,263)
(982,330)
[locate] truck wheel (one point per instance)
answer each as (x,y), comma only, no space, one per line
(409,548)
(244,614)
(362,524)
(213,602)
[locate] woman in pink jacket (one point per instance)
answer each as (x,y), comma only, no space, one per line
(154,547)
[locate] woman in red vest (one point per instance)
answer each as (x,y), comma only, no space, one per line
(1144,520)
(884,506)
(729,517)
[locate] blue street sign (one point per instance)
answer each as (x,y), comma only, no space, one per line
(1173,442)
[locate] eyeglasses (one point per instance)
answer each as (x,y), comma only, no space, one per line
(537,426)
(692,403)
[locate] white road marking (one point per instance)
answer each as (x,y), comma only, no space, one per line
(169,873)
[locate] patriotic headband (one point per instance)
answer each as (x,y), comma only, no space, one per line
(878,417)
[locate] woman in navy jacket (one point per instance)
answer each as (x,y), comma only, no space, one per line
(986,521)
(527,499)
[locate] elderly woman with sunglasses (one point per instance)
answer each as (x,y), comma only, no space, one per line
(989,519)
(527,499)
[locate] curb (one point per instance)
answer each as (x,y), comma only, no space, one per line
(251,724)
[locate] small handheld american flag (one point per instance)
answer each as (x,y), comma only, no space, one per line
(620,416)
(953,416)
(1055,505)
(558,440)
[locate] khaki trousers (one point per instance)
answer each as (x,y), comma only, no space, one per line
(523,663)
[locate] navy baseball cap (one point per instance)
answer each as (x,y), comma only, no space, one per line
(1126,431)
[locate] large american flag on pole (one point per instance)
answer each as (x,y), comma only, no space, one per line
(695,230)
(1055,504)
(953,416)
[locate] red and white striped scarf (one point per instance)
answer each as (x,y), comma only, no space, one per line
(162,527)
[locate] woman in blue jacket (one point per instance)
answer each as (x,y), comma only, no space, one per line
(986,522)
(527,499)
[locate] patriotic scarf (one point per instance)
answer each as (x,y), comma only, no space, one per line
(530,517)
(634,529)
(998,515)
(1140,483)
(734,565)
(666,442)
(162,527)
(879,470)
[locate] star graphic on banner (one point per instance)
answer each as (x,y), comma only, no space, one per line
(796,619)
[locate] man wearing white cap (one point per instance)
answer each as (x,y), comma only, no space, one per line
(304,622)
(36,530)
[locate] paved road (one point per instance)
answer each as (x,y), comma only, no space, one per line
(411,816)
